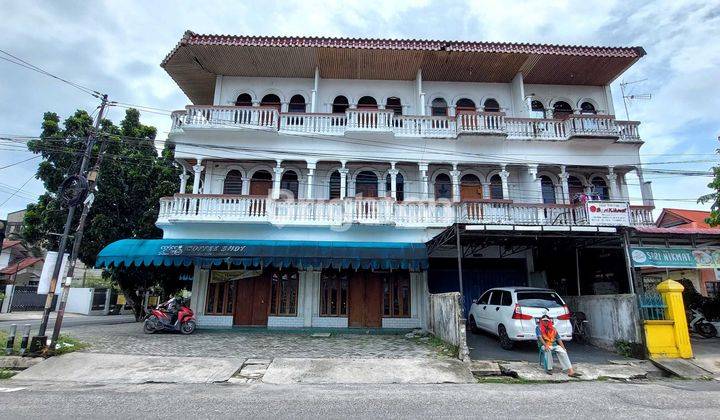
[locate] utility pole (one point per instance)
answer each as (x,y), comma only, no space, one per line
(68,223)
(92,181)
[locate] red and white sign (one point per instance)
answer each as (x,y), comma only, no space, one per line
(608,213)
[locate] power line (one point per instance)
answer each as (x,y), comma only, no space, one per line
(16,191)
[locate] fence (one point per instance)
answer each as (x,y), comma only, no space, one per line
(446,321)
(652,306)
(26,298)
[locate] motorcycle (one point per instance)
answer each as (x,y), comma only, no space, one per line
(700,325)
(160,320)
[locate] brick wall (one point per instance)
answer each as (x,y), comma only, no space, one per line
(214,321)
(329,322)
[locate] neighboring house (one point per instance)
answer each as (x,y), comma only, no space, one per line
(705,280)
(13,226)
(18,266)
(315,170)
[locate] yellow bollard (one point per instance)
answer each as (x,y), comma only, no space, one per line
(671,292)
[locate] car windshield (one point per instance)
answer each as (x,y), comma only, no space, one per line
(539,299)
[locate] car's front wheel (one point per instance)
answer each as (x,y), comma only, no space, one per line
(505,341)
(473,325)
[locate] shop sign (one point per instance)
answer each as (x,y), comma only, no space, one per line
(203,250)
(675,257)
(608,213)
(221,276)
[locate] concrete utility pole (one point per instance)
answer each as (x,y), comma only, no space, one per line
(68,223)
(77,240)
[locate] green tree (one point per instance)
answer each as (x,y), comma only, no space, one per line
(713,197)
(133,177)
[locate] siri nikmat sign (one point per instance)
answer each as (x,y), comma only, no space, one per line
(675,257)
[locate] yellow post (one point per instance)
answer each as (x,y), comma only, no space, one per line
(671,292)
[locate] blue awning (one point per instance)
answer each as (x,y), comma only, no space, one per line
(261,253)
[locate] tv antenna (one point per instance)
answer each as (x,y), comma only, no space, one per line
(626,97)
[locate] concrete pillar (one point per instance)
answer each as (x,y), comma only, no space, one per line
(535,186)
(423,168)
(218,90)
(455,174)
(183,181)
(393,180)
(278,171)
(645,189)
(517,90)
(313,95)
(504,175)
(420,93)
(609,100)
(486,190)
(310,179)
(343,180)
(197,171)
(612,183)
(565,187)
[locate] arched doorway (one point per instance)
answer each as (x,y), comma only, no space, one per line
(470,188)
(438,107)
(465,105)
(297,104)
(600,188)
(340,105)
(366,184)
(233,183)
(289,185)
(394,104)
(548,190)
(334,186)
(244,99)
(491,105)
(575,189)
(496,188)
(261,183)
(272,101)
(367,102)
(537,110)
(443,187)
(561,110)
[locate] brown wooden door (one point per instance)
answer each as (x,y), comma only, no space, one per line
(365,300)
(252,302)
(260,187)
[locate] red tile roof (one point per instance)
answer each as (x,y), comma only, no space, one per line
(7,243)
(23,264)
(693,218)
(678,230)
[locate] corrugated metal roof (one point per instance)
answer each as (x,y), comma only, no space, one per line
(197,58)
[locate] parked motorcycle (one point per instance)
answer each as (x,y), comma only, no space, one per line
(160,318)
(698,323)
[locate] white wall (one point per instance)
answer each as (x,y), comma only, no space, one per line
(257,87)
(79,300)
(574,95)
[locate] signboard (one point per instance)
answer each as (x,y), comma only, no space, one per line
(47,272)
(675,257)
(220,276)
(203,250)
(608,213)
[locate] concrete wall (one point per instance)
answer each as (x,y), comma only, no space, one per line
(446,321)
(80,300)
(610,318)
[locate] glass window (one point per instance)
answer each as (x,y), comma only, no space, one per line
(537,110)
(496,297)
(396,294)
(484,299)
(443,187)
(333,293)
(600,188)
(539,299)
(233,183)
(506,299)
(220,296)
(548,190)
(496,189)
(284,292)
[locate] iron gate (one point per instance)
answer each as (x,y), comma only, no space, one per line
(26,298)
(99,299)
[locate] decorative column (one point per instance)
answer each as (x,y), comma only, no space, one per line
(278,170)
(564,185)
(183,181)
(486,189)
(535,184)
(455,174)
(310,172)
(423,168)
(612,183)
(313,95)
(645,189)
(343,180)
(504,175)
(393,180)
(197,171)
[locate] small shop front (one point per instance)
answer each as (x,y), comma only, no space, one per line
(293,284)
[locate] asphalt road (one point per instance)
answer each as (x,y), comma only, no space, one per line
(667,399)
(68,321)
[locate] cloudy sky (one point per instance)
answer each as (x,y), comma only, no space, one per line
(116,47)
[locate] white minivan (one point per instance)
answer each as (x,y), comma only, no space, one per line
(512,313)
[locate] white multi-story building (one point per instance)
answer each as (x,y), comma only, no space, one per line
(316,169)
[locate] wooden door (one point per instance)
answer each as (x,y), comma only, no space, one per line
(365,300)
(252,301)
(260,187)
(261,300)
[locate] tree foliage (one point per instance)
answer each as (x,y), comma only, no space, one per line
(713,197)
(133,177)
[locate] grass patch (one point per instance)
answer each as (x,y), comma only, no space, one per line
(65,344)
(3,343)
(6,374)
(438,345)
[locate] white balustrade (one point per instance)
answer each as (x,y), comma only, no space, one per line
(407,125)
(377,211)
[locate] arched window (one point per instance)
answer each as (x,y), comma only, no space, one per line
(366,184)
(438,107)
(587,108)
(470,188)
(271,100)
(491,105)
(233,183)
(399,186)
(575,187)
(496,189)
(340,105)
(443,187)
(561,110)
(244,99)
(465,105)
(537,110)
(289,182)
(261,183)
(297,104)
(367,102)
(548,190)
(600,188)
(334,187)
(394,104)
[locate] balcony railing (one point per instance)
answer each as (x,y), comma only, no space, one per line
(484,123)
(375,211)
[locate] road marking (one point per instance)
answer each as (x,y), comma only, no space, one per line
(11,389)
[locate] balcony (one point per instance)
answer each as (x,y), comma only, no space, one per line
(374,211)
(362,120)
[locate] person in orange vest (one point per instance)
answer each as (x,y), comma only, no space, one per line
(550,342)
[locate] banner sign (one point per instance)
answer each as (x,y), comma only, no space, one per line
(47,272)
(675,257)
(608,213)
(203,250)
(221,276)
